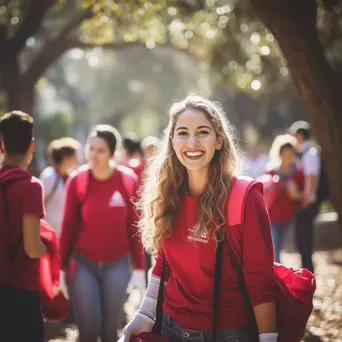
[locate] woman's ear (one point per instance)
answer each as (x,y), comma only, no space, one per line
(219,143)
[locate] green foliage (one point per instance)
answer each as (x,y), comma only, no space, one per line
(54,126)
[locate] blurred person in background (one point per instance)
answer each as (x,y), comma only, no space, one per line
(99,245)
(287,188)
(150,146)
(62,156)
(132,154)
(258,161)
(310,163)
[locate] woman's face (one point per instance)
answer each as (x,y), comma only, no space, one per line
(99,154)
(287,156)
(194,140)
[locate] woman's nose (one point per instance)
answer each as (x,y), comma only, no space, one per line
(192,140)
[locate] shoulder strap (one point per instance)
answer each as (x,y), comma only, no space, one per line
(128,180)
(239,190)
(82,182)
(159,312)
(217,286)
(236,212)
(49,196)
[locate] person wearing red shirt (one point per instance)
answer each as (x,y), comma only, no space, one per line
(22,197)
(99,242)
(183,203)
(290,182)
(132,155)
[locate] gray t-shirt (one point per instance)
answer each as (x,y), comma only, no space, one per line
(55,206)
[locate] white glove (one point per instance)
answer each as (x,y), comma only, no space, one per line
(138,281)
(62,288)
(143,320)
(268,337)
(140,323)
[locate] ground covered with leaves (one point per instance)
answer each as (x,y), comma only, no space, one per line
(325,323)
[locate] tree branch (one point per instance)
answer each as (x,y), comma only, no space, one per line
(67,30)
(189,8)
(53,49)
(115,46)
(31,23)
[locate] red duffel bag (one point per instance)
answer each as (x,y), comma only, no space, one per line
(55,308)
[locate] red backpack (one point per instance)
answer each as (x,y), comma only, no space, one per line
(272,188)
(55,308)
(129,184)
(128,177)
(294,288)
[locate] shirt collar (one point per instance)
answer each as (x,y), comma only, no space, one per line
(305,146)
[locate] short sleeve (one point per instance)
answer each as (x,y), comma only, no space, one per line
(311,162)
(48,179)
(33,199)
(158,266)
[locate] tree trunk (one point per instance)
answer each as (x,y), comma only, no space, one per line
(320,88)
(10,75)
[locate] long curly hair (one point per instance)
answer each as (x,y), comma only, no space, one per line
(166,179)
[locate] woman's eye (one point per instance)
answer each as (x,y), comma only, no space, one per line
(182,133)
(203,132)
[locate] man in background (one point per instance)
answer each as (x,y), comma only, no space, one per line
(310,163)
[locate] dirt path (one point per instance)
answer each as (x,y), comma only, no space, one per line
(325,323)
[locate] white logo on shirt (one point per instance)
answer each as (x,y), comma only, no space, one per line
(203,238)
(116,200)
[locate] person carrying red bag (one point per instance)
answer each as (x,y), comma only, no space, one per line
(183,202)
(21,208)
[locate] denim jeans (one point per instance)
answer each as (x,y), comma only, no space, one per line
(98,294)
(278,233)
(21,317)
(172,330)
(304,233)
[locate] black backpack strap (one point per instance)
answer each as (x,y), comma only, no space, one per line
(217,283)
(242,285)
(159,313)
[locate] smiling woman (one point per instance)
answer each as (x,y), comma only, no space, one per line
(185,222)
(198,156)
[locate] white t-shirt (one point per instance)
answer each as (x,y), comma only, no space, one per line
(55,206)
(310,162)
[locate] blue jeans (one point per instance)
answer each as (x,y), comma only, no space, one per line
(173,331)
(278,233)
(98,294)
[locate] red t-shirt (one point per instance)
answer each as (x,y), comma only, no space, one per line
(24,196)
(137,165)
(283,209)
(191,268)
(105,229)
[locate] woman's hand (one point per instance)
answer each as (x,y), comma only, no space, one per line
(62,288)
(138,281)
(140,323)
